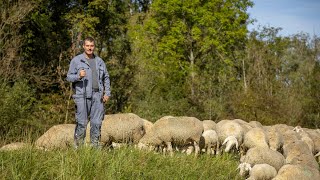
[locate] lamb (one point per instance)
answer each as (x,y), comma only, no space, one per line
(274,137)
(230,142)
(298,153)
(301,172)
(59,136)
(305,137)
(209,142)
(120,128)
(230,134)
(180,131)
(261,155)
(258,171)
(209,124)
(256,137)
(244,169)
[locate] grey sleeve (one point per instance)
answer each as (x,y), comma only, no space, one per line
(73,74)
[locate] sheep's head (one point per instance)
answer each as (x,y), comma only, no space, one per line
(297,129)
(230,142)
(143,146)
(149,142)
(244,168)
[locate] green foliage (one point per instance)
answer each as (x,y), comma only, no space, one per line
(278,80)
(126,163)
(17,103)
(190,48)
(311,116)
(191,58)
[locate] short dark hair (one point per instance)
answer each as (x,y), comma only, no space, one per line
(90,39)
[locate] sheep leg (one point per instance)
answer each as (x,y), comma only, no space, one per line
(209,149)
(217,148)
(196,147)
(169,147)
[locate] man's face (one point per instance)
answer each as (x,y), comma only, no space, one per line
(88,47)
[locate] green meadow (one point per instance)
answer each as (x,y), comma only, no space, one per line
(125,163)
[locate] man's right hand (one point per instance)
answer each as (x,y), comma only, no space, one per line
(82,73)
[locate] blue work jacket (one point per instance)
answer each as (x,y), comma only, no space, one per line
(80,62)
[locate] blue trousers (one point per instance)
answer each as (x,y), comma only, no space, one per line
(93,109)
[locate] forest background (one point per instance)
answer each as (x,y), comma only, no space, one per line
(165,57)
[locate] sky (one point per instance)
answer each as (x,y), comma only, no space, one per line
(293,16)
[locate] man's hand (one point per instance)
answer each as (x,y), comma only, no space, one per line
(105,98)
(82,73)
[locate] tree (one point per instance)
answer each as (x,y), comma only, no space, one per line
(192,44)
(13,15)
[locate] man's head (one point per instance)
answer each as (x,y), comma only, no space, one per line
(88,46)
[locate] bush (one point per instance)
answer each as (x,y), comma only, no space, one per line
(17,103)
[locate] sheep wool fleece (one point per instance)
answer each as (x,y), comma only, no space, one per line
(88,102)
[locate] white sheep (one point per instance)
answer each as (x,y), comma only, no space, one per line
(283,127)
(289,136)
(209,124)
(180,131)
(300,172)
(120,128)
(245,125)
(298,153)
(255,124)
(261,155)
(230,134)
(57,137)
(274,137)
(147,125)
(305,137)
(258,171)
(229,143)
(209,142)
(315,136)
(14,146)
(317,156)
(262,172)
(256,137)
(244,169)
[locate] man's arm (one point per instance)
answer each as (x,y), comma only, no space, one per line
(73,74)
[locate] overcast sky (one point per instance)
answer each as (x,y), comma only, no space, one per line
(293,16)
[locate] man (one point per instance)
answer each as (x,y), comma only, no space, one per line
(91,86)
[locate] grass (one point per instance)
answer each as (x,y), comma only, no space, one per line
(125,163)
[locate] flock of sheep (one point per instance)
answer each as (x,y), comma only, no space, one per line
(278,152)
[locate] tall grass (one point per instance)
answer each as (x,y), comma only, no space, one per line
(125,163)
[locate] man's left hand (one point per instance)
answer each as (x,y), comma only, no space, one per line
(105,98)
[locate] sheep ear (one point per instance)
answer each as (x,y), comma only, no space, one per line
(240,166)
(225,141)
(237,144)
